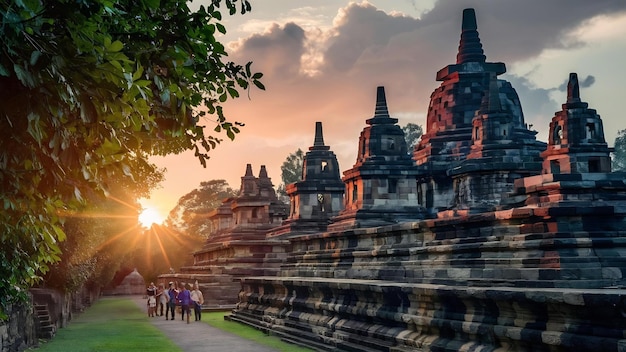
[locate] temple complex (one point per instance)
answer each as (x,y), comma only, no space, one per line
(237,246)
(482,239)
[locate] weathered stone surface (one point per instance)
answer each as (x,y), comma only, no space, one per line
(512,260)
(18,332)
(318,197)
(380,187)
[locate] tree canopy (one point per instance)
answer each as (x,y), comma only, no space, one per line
(619,154)
(189,216)
(291,171)
(88,91)
(412,134)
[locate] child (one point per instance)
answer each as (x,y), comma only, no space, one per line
(151,306)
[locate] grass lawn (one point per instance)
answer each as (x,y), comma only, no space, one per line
(216,319)
(118,324)
(111,324)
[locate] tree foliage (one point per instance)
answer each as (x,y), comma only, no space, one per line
(619,154)
(412,134)
(189,216)
(291,171)
(90,89)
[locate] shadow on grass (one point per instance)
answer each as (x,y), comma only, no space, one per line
(216,319)
(111,324)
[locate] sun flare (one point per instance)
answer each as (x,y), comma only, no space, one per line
(150,216)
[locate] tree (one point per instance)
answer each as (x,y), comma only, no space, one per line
(619,154)
(291,171)
(412,134)
(89,90)
(189,216)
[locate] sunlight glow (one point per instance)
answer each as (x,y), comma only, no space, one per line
(150,216)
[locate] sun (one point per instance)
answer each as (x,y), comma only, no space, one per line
(150,216)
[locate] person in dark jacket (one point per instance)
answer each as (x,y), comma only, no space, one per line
(171,303)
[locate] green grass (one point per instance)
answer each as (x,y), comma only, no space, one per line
(112,324)
(118,324)
(216,319)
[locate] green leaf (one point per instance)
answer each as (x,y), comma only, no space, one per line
(59,232)
(259,85)
(115,46)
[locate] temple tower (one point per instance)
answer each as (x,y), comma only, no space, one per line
(451,111)
(576,141)
(380,188)
(257,206)
(502,150)
(318,196)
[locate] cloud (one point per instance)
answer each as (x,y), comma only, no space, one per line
(513,31)
(330,73)
(276,52)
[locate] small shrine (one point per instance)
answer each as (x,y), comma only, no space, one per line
(576,140)
(132,284)
(380,187)
(318,197)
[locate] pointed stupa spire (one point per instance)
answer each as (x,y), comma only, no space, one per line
(381,103)
(263,172)
(319,136)
(381,113)
(318,142)
(248,170)
(470,48)
(573,89)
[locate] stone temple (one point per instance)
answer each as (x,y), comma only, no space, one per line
(481,239)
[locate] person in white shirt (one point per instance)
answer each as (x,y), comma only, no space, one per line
(198,301)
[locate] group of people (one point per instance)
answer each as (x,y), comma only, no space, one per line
(169,298)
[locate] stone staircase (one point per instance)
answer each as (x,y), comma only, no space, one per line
(45,328)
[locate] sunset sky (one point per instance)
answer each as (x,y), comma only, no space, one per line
(323,59)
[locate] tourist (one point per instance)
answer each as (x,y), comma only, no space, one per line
(171,304)
(161,299)
(198,300)
(151,293)
(184,298)
(151,306)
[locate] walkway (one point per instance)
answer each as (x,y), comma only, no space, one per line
(201,337)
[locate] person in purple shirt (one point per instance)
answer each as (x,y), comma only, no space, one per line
(184,297)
